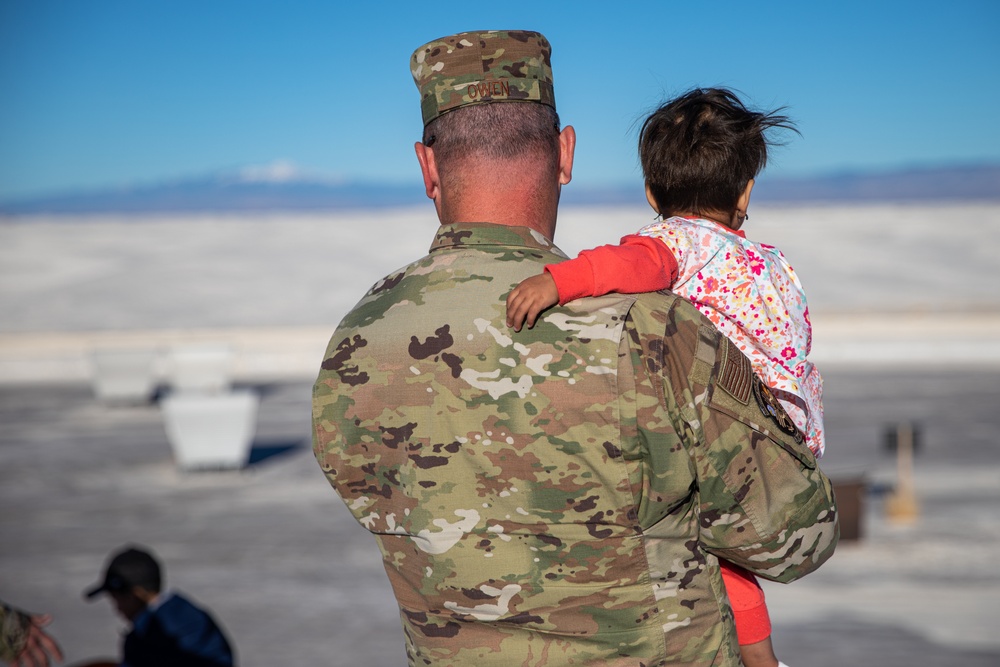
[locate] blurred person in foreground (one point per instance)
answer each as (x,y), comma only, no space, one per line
(23,639)
(560,495)
(167,630)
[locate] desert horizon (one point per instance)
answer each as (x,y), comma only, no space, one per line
(887,283)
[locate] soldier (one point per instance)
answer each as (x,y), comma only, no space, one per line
(559,495)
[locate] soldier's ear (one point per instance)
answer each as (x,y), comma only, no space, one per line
(567,150)
(428,169)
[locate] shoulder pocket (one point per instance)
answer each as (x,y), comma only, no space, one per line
(739,393)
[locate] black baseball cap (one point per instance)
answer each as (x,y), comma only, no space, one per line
(127,568)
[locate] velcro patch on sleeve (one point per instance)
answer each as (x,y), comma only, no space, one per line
(737,375)
(771,408)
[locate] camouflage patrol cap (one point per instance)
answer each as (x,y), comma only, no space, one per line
(480,67)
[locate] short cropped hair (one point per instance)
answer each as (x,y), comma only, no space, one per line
(497,131)
(699,151)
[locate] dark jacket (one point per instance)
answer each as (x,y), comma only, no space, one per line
(176,633)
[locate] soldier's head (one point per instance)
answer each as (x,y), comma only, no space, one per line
(490,123)
(701,151)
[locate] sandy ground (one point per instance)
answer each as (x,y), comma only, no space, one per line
(295,581)
(906,328)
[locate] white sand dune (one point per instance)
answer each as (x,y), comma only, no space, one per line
(891,283)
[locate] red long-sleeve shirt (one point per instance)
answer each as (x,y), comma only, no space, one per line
(638,264)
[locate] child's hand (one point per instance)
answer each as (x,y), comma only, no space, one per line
(530,298)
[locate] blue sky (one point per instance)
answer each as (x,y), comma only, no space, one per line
(108,93)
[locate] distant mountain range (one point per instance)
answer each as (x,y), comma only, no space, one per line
(247,191)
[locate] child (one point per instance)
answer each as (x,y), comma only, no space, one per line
(700,154)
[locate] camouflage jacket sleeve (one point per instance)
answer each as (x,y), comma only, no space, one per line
(762,502)
(13,631)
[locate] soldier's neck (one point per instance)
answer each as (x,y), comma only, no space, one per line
(514,207)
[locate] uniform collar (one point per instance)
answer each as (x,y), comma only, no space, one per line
(468,234)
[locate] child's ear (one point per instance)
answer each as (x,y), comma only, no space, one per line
(652,202)
(744,201)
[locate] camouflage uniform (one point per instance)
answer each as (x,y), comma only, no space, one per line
(14,626)
(562,495)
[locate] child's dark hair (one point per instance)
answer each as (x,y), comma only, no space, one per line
(698,151)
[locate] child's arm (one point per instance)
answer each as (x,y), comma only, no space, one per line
(639,264)
(753,624)
(531,297)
